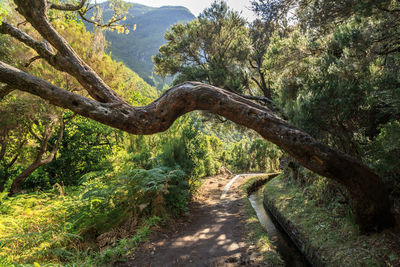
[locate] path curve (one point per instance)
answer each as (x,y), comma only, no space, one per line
(212,235)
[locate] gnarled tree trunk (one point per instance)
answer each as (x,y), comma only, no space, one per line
(370,202)
(369,199)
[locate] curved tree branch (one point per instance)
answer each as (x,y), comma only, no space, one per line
(32,60)
(159,115)
(39,160)
(370,202)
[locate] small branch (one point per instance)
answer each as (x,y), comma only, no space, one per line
(5,91)
(33,133)
(220,119)
(40,48)
(68,7)
(257,82)
(252,65)
(63,123)
(109,24)
(22,23)
(11,163)
(56,146)
(16,156)
(394,10)
(39,161)
(32,60)
(262,99)
(389,51)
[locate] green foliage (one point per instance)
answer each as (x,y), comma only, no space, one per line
(192,151)
(53,226)
(103,182)
(25,119)
(337,78)
(32,226)
(3,13)
(107,202)
(328,230)
(84,149)
(259,155)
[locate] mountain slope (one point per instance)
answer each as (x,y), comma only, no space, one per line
(137,48)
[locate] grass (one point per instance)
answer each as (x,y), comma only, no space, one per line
(34,231)
(256,233)
(330,228)
(95,224)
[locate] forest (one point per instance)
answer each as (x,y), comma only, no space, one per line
(95,161)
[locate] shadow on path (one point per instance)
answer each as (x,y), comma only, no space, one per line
(212,236)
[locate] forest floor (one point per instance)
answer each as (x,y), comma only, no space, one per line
(213,234)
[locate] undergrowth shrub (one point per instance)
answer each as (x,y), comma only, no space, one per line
(258,155)
(196,153)
(32,227)
(108,201)
(323,191)
(63,224)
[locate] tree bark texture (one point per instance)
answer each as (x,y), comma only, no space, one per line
(369,199)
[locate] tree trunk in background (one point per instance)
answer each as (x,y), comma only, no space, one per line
(39,161)
(17,183)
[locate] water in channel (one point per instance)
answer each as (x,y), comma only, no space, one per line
(286,248)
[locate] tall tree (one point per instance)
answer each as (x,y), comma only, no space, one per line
(212,49)
(370,202)
(341,55)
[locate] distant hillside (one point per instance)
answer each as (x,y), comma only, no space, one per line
(137,48)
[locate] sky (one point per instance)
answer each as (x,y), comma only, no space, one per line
(197,6)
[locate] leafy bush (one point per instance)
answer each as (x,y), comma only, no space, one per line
(196,153)
(50,226)
(259,155)
(84,148)
(107,202)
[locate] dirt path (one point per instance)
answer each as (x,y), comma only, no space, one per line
(212,235)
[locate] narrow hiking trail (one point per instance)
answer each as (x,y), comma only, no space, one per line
(213,234)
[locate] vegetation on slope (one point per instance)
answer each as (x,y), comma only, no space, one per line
(327,225)
(137,48)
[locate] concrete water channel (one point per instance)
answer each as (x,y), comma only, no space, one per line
(285,246)
(288,251)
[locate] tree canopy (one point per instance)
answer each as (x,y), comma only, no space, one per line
(211,49)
